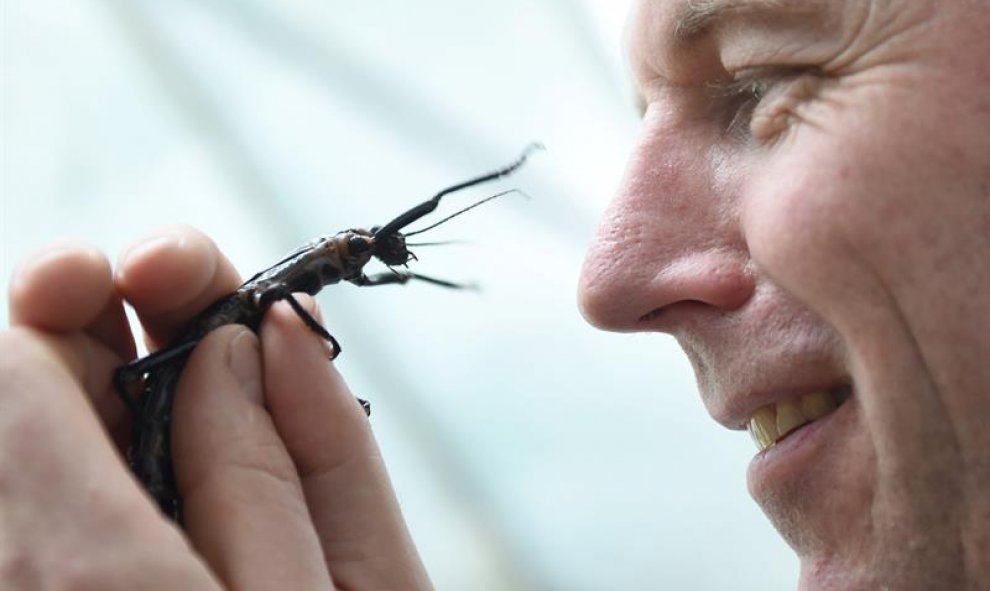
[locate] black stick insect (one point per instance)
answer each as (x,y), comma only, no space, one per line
(147,385)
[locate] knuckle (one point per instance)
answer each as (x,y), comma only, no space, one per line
(21,422)
(107,549)
(267,464)
(23,356)
(78,574)
(18,352)
(26,354)
(97,569)
(19,569)
(260,472)
(49,568)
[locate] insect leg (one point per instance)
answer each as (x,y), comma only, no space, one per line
(404,276)
(315,326)
(320,330)
(126,376)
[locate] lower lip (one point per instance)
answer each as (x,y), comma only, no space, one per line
(794,456)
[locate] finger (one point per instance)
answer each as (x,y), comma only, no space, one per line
(244,506)
(170,277)
(69,510)
(67,290)
(68,287)
(365,541)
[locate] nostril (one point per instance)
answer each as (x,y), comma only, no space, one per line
(673,313)
(651,315)
(718,278)
(621,298)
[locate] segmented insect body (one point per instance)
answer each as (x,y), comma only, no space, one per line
(147,385)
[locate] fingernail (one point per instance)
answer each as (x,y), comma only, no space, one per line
(244,361)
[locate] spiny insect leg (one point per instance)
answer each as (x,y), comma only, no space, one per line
(404,276)
(315,326)
(128,375)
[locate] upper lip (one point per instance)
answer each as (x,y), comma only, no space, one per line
(770,350)
(734,408)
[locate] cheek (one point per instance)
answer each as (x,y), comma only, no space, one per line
(831,214)
(867,190)
(800,218)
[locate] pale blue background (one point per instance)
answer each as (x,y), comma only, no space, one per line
(529,450)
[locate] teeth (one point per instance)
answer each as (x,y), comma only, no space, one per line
(817,405)
(763,427)
(789,417)
(770,423)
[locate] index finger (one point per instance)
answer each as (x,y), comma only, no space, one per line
(171,276)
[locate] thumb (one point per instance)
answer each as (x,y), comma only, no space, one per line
(243,504)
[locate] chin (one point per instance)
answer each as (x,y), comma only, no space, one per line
(817,487)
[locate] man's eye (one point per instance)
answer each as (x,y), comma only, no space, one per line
(742,96)
(759,105)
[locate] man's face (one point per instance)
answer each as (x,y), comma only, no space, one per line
(808,212)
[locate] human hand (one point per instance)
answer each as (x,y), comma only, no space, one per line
(283,484)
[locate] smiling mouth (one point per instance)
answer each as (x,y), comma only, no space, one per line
(773,422)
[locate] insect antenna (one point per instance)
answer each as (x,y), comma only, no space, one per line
(439,243)
(468,208)
(431,204)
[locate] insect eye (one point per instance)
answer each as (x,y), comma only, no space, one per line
(357,245)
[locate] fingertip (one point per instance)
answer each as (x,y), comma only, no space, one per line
(226,363)
(308,303)
(244,363)
(218,359)
(284,321)
(172,275)
(63,287)
(166,268)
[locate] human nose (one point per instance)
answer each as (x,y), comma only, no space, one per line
(670,240)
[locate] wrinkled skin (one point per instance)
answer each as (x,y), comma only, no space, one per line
(831,229)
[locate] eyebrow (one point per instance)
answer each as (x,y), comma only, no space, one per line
(697,17)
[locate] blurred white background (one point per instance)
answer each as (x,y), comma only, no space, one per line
(529,451)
